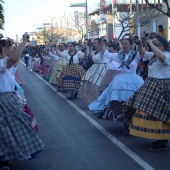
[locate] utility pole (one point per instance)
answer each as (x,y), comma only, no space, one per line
(137,16)
(86,20)
(114,10)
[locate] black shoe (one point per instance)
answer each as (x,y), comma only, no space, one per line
(76,94)
(71,96)
(159,145)
(126,132)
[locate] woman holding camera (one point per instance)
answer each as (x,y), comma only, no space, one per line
(147,112)
(18,139)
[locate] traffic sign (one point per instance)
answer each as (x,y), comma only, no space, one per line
(78,5)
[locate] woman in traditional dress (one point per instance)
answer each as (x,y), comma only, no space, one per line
(113,67)
(18,138)
(91,81)
(72,73)
(46,60)
(62,53)
(35,63)
(48,73)
(107,105)
(147,112)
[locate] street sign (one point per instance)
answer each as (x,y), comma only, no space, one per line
(78,5)
(46,23)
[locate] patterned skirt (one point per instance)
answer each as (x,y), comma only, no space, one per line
(18,139)
(95,74)
(70,78)
(153,98)
(47,62)
(89,90)
(146,126)
(56,72)
(48,73)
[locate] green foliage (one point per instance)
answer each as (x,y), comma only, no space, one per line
(2,18)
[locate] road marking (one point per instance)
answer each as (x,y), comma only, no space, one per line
(118,143)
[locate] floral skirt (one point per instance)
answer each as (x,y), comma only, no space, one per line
(48,73)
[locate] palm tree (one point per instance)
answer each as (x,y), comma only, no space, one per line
(2,18)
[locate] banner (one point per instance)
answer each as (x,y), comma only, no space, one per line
(76,15)
(102,7)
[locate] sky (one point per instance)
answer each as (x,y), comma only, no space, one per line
(25,16)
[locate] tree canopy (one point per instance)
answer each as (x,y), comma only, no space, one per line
(167,12)
(2,18)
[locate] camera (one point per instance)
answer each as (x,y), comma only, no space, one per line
(28,37)
(147,34)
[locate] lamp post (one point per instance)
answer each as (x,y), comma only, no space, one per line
(137,16)
(83,5)
(114,11)
(86,20)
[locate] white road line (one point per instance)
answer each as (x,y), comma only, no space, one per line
(119,144)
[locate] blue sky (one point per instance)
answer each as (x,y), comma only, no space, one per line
(24,16)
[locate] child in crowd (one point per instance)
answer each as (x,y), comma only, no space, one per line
(35,63)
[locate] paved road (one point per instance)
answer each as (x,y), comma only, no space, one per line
(77,140)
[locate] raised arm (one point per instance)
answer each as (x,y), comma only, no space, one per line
(16,55)
(158,53)
(140,48)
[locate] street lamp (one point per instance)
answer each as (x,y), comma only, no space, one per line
(83,5)
(137,16)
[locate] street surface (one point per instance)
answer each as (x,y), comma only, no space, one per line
(76,140)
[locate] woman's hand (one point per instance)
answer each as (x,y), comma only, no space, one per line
(25,37)
(149,41)
(138,42)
